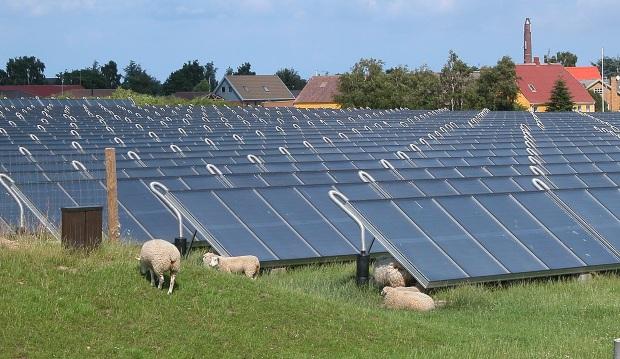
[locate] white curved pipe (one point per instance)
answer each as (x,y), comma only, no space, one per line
(177,149)
(284,151)
(24,151)
(540,185)
(255,159)
(536,171)
(79,166)
(182,131)
(155,188)
(214,170)
(34,138)
(387,164)
(8,188)
(327,140)
(76,145)
(366,177)
(402,155)
(341,201)
(134,156)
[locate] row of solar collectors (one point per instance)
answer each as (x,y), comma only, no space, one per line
(232,227)
(489,237)
(413,182)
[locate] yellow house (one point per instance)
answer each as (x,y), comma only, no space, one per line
(536,83)
(319,92)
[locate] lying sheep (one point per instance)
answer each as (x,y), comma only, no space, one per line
(242,264)
(407,298)
(157,257)
(390,273)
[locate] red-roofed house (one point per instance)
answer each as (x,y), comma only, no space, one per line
(319,92)
(585,74)
(536,82)
(36,90)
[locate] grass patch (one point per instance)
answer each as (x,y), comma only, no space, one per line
(71,305)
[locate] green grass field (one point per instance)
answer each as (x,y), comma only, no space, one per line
(60,305)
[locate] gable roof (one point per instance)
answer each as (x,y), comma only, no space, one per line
(536,82)
(584,73)
(40,90)
(319,89)
(258,87)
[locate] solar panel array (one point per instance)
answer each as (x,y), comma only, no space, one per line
(453,196)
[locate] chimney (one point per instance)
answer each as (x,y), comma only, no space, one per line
(527,42)
(613,94)
(536,60)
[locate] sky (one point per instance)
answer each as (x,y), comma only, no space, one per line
(308,35)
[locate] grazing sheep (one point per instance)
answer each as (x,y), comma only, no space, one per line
(242,264)
(390,273)
(157,257)
(405,298)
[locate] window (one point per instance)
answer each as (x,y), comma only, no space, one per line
(531,87)
(223,88)
(266,88)
(323,84)
(598,91)
(245,88)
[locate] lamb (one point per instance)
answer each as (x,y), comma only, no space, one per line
(407,298)
(388,272)
(249,265)
(157,257)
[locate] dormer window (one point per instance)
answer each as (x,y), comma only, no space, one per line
(266,88)
(531,87)
(323,84)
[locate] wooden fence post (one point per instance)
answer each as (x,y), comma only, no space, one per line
(110,169)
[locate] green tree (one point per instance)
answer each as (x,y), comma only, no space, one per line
(561,99)
(138,80)
(598,100)
(245,69)
(362,86)
(454,77)
(89,77)
(185,78)
(203,86)
(229,71)
(25,70)
(612,66)
(497,87)
(291,78)
(4,78)
(210,74)
(566,58)
(426,92)
(112,78)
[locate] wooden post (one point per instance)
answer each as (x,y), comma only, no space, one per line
(110,169)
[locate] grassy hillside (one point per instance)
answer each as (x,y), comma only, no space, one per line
(57,304)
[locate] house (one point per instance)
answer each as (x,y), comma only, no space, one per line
(36,90)
(266,90)
(319,92)
(536,81)
(585,74)
(612,92)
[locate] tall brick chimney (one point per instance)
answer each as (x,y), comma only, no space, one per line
(527,42)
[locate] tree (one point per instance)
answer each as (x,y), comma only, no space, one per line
(561,99)
(89,77)
(229,71)
(25,70)
(138,80)
(185,78)
(210,74)
(110,74)
(566,58)
(598,100)
(291,78)
(245,69)
(497,87)
(367,85)
(4,78)
(612,66)
(202,86)
(454,77)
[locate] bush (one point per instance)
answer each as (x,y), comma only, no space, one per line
(142,99)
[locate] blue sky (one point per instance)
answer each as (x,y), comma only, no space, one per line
(311,35)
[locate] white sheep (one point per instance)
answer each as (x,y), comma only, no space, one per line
(407,298)
(157,257)
(388,272)
(242,264)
